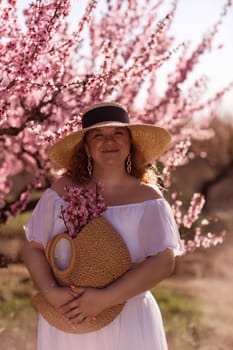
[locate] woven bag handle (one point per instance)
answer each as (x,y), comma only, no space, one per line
(50,254)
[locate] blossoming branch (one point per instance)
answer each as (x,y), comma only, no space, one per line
(83,205)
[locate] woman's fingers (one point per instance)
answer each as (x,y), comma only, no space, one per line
(77,290)
(80,318)
(72,312)
(89,301)
(68,307)
(75,317)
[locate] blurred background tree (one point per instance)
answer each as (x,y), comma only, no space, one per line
(49,72)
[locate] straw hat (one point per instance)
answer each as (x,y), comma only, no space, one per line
(99,256)
(151,140)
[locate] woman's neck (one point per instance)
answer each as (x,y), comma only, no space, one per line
(112,179)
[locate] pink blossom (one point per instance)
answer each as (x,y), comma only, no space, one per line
(194,210)
(83,205)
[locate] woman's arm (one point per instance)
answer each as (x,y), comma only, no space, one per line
(141,278)
(39,269)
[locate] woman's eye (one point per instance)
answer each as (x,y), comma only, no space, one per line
(97,136)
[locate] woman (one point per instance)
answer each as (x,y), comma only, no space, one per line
(111,150)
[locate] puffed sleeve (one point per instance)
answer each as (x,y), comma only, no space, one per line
(43,221)
(158,229)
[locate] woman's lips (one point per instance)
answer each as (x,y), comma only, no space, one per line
(110,150)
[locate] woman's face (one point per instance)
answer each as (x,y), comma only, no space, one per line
(108,145)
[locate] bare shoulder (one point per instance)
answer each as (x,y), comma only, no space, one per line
(149,191)
(60,184)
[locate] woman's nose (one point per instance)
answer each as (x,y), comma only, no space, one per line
(108,137)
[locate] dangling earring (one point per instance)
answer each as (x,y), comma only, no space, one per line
(89,166)
(128,164)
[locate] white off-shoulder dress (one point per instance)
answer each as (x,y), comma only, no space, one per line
(147,228)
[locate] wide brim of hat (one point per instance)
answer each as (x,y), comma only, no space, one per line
(151,141)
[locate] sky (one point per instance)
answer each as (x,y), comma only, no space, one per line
(193,18)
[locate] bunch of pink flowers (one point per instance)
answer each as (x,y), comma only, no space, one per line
(83,205)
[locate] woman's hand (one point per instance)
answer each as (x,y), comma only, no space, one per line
(86,304)
(58,296)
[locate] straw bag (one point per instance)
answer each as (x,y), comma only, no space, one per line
(98,257)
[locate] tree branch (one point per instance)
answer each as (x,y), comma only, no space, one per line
(223,173)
